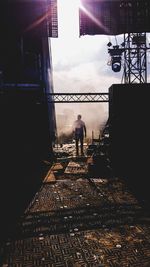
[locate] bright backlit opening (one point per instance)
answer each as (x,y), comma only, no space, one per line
(79,65)
(68,18)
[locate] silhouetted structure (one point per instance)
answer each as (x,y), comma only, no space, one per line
(27,119)
(129,135)
(114,17)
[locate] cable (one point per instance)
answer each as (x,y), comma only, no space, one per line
(116,40)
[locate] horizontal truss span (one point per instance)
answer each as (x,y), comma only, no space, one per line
(77,97)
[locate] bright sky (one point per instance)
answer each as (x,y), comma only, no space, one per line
(80,65)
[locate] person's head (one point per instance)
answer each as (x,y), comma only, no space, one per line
(79,117)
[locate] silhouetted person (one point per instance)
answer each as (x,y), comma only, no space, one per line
(79,130)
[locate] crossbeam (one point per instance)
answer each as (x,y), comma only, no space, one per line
(77,97)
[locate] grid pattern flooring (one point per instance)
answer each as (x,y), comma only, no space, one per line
(80,221)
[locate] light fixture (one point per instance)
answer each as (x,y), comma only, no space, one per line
(109,44)
(123,44)
(116,64)
(116,53)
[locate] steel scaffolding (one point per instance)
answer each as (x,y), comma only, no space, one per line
(135,58)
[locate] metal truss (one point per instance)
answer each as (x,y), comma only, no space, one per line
(135,58)
(77,97)
(36,92)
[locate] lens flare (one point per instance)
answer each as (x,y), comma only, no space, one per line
(94,19)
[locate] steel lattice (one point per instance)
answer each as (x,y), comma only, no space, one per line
(77,97)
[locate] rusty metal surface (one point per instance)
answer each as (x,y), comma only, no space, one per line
(81,222)
(76,168)
(127,246)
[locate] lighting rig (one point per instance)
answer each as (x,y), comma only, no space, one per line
(116,56)
(134,52)
(128,17)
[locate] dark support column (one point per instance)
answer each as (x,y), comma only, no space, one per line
(129,114)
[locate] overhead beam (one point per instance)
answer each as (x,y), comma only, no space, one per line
(77,97)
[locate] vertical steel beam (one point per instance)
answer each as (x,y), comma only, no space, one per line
(135,58)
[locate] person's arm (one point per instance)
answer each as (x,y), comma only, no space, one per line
(73,129)
(84,129)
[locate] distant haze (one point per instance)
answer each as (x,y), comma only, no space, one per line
(94,116)
(80,64)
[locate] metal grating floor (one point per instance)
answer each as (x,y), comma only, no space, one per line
(81,222)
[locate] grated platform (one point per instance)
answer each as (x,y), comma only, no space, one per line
(85,222)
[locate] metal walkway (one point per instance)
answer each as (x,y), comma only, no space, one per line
(76,220)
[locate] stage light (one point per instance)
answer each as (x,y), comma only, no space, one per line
(123,44)
(116,64)
(109,44)
(116,53)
